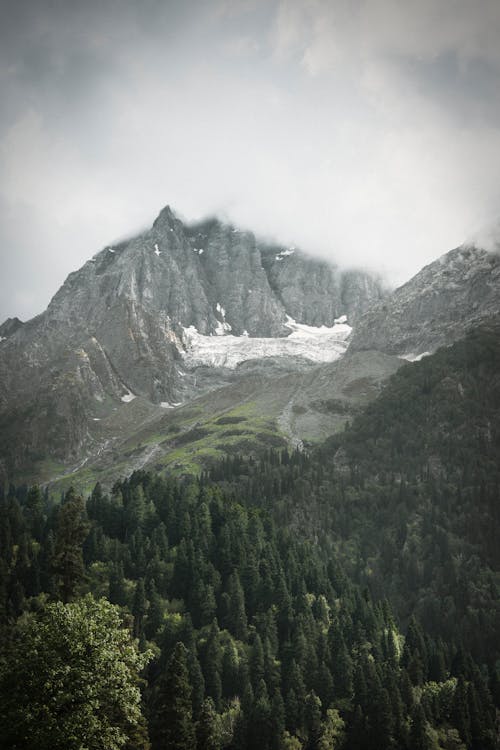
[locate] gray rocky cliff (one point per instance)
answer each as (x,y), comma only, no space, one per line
(317,292)
(9,327)
(434,308)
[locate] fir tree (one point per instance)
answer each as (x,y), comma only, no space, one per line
(172,721)
(71,531)
(207,729)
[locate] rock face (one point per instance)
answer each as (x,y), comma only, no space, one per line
(116,328)
(316,292)
(434,308)
(9,327)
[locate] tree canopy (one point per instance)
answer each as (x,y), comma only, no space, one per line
(70,680)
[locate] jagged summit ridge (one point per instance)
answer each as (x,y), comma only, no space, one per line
(8,327)
(447,297)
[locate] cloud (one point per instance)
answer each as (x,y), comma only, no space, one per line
(368,132)
(325,32)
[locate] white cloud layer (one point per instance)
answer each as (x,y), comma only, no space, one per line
(367,131)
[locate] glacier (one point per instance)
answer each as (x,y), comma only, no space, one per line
(315,343)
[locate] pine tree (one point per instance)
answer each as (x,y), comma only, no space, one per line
(213,666)
(419,738)
(71,531)
(197,682)
(256,661)
(277,720)
(117,590)
(139,607)
(313,721)
(172,720)
(237,619)
(342,672)
(155,612)
(460,711)
(260,730)
(34,511)
(207,730)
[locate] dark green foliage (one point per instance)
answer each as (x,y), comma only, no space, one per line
(257,630)
(408,497)
(207,730)
(71,531)
(69,679)
(172,721)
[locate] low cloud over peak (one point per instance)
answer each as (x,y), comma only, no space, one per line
(367,132)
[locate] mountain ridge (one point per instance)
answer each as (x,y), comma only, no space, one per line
(115,329)
(435,307)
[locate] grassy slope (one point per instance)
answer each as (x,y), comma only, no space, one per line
(255,412)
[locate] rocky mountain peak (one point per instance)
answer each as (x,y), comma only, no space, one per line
(165,219)
(458,290)
(141,317)
(9,326)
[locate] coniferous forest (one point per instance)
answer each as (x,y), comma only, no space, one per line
(343,598)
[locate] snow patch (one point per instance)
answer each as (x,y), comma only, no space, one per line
(283,254)
(222,327)
(414,357)
(317,344)
(96,419)
(110,250)
(128,397)
(157,251)
(168,405)
(317,332)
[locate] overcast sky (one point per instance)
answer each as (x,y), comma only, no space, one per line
(367,131)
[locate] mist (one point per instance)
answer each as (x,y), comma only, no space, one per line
(367,133)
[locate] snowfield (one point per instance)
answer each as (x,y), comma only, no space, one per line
(414,357)
(317,344)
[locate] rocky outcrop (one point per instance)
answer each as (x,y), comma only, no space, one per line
(435,308)
(9,327)
(316,292)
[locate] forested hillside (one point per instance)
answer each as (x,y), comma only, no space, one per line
(346,599)
(279,649)
(409,494)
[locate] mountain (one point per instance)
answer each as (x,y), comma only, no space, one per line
(155,339)
(165,317)
(446,298)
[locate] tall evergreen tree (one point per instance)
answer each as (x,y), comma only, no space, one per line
(207,730)
(71,530)
(172,720)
